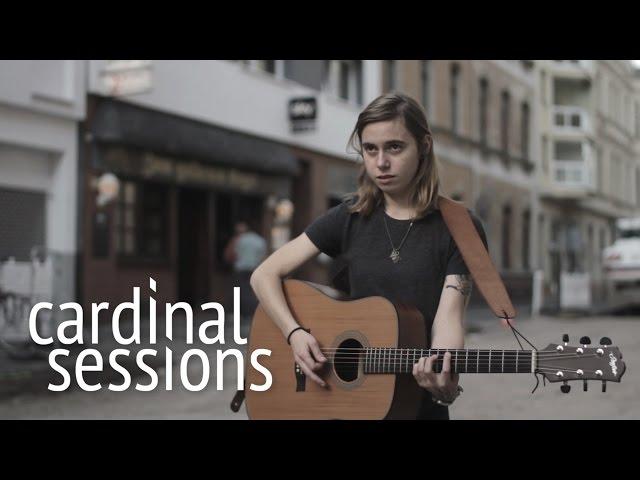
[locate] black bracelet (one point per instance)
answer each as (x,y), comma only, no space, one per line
(308,330)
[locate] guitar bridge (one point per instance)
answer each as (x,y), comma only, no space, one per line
(301,378)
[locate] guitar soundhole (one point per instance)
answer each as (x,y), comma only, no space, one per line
(347,359)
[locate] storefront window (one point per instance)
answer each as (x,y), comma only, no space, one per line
(141,220)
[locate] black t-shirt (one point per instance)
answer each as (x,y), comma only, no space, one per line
(361,245)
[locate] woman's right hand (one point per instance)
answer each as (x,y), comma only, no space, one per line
(307,354)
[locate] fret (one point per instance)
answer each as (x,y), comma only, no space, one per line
(385,360)
(455,364)
(489,361)
(407,362)
(517,369)
(502,361)
(466,360)
(478,362)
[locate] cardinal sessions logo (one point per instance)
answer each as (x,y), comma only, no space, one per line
(72,332)
(612,363)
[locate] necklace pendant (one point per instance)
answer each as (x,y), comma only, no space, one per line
(395,256)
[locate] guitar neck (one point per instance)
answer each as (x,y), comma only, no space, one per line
(401,360)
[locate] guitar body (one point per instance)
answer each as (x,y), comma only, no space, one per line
(334,322)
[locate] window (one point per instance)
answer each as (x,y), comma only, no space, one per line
(141,220)
(638,186)
(273,67)
(454,96)
(590,248)
(22,223)
(506,238)
(599,169)
(526,220)
(268,66)
(542,242)
(484,100)
(504,121)
(343,78)
(390,71)
(524,140)
(425,66)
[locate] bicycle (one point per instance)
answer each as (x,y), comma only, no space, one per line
(17,296)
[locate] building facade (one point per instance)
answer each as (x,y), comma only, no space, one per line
(589,174)
(41,105)
(204,145)
(482,117)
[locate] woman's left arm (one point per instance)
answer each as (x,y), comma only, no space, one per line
(448,324)
(447,333)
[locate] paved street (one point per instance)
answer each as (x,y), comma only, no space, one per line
(486,396)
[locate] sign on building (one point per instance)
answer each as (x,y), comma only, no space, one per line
(303,113)
(126,77)
(575,291)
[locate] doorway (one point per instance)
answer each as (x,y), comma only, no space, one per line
(193,241)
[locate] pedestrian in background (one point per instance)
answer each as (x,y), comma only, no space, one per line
(245,251)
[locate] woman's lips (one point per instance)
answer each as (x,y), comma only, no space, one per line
(385,178)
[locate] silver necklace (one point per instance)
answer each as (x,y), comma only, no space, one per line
(395,252)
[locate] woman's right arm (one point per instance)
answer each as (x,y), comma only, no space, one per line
(266,282)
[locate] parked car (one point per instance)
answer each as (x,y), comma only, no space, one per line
(621,264)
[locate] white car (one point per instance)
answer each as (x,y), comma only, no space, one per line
(621,263)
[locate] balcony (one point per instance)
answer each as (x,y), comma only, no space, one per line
(569,119)
(572,174)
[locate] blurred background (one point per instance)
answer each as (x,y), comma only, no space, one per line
(113,171)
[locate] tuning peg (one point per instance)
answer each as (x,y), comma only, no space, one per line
(585,341)
(565,388)
(565,339)
(584,385)
(604,385)
(605,341)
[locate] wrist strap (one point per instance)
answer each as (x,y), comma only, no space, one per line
(308,330)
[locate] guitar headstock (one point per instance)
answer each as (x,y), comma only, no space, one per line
(565,363)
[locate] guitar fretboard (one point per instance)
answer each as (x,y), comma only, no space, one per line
(401,360)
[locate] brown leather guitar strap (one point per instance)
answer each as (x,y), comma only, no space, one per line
(476,257)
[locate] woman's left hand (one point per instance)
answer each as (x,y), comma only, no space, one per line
(444,385)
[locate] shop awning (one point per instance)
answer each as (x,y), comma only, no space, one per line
(167,134)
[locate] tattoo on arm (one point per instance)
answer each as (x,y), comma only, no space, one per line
(463,284)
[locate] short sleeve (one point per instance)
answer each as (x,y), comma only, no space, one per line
(455,262)
(326,231)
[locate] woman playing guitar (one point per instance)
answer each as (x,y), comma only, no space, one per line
(394,241)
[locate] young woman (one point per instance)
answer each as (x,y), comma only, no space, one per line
(394,241)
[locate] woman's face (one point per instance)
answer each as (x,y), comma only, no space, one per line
(390,155)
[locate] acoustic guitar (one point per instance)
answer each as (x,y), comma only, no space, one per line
(371,345)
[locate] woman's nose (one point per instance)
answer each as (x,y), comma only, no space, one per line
(382,161)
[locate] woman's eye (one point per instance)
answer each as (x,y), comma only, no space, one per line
(396,147)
